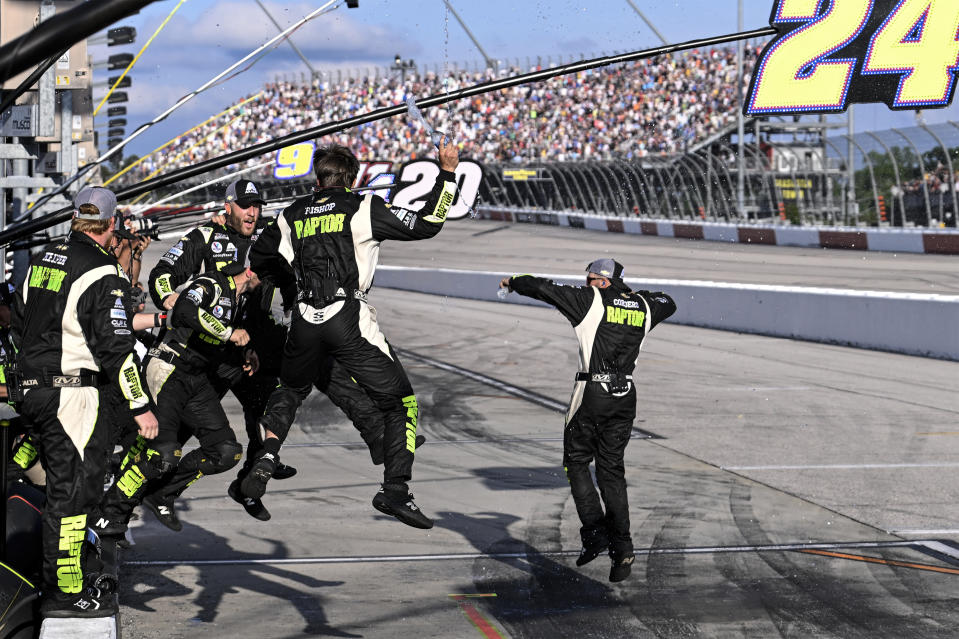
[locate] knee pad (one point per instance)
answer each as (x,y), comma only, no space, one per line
(168,454)
(214,458)
(226,454)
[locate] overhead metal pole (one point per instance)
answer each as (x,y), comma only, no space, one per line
(289,40)
(489,61)
(653,27)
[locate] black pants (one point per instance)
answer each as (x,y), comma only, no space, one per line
(186,405)
(352,337)
(599,430)
(73,433)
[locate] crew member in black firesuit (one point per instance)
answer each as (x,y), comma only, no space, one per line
(611,322)
(267,316)
(330,241)
(211,246)
(74,341)
(178,376)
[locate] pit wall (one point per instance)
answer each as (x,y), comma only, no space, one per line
(908,323)
(894,239)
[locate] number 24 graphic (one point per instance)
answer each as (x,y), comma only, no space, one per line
(812,66)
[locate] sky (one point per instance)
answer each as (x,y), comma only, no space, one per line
(206,36)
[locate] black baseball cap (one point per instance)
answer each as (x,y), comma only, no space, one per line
(607,268)
(245,193)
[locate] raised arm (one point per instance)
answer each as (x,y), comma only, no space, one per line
(572,301)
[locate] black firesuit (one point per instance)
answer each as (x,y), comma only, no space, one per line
(267,319)
(610,325)
(178,376)
(330,241)
(74,341)
(208,247)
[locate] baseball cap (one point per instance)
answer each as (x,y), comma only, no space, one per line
(103,199)
(244,192)
(607,268)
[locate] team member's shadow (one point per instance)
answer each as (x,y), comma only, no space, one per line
(536,594)
(142,585)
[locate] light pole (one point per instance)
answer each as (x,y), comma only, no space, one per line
(401,65)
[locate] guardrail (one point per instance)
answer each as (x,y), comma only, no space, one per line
(900,240)
(908,323)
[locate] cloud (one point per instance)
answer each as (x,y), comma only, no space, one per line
(238,27)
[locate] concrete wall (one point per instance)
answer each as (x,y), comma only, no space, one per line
(914,324)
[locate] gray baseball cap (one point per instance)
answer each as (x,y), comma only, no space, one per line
(103,199)
(245,193)
(607,268)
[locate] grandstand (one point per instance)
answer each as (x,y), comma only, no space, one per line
(651,138)
(639,110)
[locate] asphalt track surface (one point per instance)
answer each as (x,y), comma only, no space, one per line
(777,488)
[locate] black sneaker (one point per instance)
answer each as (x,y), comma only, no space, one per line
(376,449)
(164,511)
(253,507)
(621,567)
(400,505)
(591,551)
(282,472)
(254,484)
(88,604)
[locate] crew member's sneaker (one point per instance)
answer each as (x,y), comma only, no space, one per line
(376,448)
(283,472)
(591,551)
(621,567)
(88,604)
(253,507)
(254,484)
(400,504)
(164,511)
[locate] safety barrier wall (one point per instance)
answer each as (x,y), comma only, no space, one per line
(914,324)
(902,240)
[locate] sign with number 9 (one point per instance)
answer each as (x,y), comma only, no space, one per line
(830,53)
(294,161)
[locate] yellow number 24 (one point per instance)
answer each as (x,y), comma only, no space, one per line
(916,39)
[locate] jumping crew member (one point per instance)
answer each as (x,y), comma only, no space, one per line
(611,322)
(74,341)
(267,316)
(178,376)
(330,241)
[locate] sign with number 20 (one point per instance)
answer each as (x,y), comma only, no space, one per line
(830,53)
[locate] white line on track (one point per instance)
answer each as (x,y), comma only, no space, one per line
(940,548)
(525,555)
(845,466)
(433,442)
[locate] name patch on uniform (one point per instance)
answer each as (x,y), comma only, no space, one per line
(628,317)
(332,223)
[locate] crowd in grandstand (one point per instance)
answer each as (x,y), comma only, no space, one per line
(937,181)
(656,106)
